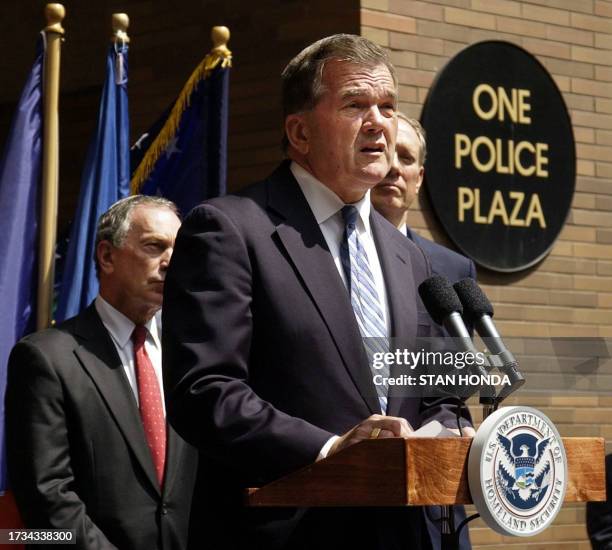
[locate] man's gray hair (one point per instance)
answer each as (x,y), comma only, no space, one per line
(301,78)
(421,134)
(115,223)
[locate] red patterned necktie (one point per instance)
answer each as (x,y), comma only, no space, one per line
(149,396)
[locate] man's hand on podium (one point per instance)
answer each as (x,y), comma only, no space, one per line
(375,427)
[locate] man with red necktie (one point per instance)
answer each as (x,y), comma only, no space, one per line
(89,448)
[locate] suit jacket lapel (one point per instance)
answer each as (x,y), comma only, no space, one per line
(401,291)
(99,358)
(301,237)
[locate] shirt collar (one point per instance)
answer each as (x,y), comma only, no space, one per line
(323,202)
(121,328)
(403,229)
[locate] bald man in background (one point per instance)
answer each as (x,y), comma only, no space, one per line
(87,442)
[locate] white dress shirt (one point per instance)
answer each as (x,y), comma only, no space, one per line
(326,207)
(120,329)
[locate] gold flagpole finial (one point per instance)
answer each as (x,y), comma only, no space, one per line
(54,14)
(120,22)
(220,37)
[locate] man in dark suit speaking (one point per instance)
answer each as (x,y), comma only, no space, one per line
(88,447)
(268,300)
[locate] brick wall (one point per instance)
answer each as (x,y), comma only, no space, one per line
(570,292)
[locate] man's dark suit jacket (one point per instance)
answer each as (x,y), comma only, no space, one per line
(444,261)
(263,361)
(77,453)
(454,267)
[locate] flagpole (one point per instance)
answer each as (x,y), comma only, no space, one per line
(54,14)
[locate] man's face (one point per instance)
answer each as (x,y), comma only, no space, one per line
(349,135)
(132,275)
(395,193)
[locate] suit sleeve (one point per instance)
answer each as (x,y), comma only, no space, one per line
(38,451)
(208,331)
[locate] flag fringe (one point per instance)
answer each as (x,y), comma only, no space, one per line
(217,56)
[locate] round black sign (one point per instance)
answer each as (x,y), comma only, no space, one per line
(501,160)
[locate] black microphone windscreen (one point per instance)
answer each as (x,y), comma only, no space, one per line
(474,300)
(439,298)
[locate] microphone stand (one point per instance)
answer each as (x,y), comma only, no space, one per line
(449,536)
(490,401)
(444,305)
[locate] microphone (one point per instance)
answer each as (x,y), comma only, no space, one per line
(479,312)
(444,307)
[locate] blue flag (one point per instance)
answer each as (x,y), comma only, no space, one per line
(183,157)
(20,175)
(105,180)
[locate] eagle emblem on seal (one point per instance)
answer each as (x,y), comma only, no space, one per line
(523,470)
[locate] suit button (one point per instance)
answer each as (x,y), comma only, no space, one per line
(164,510)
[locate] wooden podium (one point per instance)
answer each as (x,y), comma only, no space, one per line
(414,472)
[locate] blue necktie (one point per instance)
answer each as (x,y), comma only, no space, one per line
(364,297)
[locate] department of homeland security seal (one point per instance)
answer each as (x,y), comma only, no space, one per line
(517,471)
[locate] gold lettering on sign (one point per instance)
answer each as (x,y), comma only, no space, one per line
(515,105)
(506,157)
(468,202)
(502,156)
(518,197)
